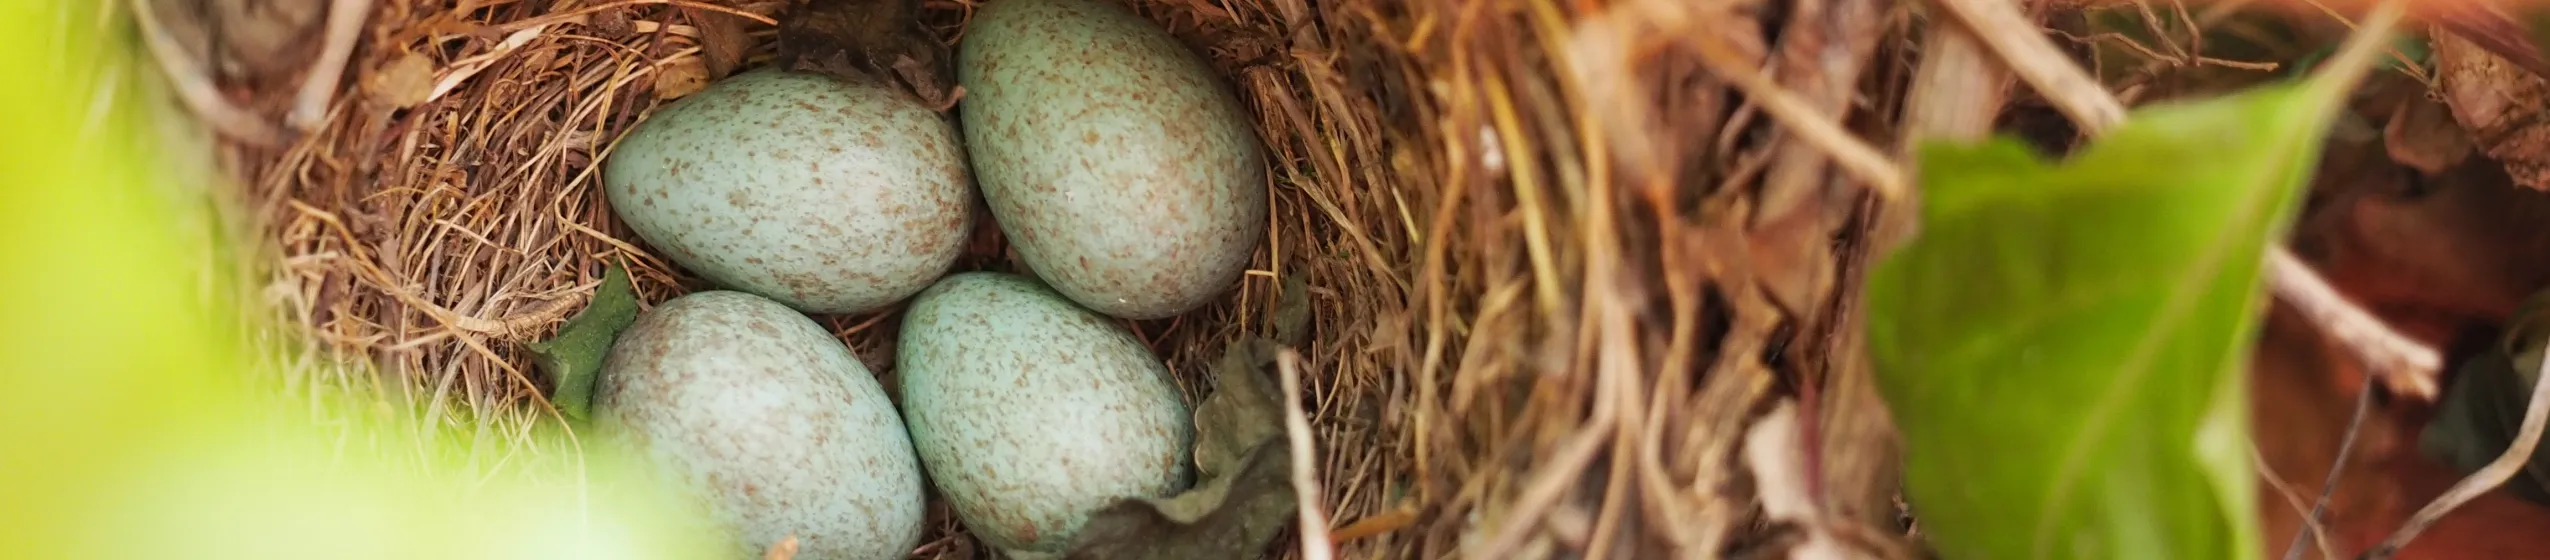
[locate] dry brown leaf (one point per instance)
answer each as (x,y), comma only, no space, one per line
(404,83)
(682,77)
(613,24)
(723,41)
(869,39)
(2423,135)
(2500,104)
(2427,252)
(2492,28)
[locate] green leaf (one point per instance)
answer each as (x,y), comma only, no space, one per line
(574,357)
(2063,345)
(1245,497)
(141,409)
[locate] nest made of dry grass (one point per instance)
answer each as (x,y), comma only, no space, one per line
(1560,261)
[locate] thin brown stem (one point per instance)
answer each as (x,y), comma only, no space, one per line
(2346,448)
(2036,61)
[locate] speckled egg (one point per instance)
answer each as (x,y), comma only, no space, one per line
(1031,412)
(828,196)
(1120,166)
(771,421)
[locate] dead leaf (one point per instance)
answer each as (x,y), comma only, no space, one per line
(869,40)
(723,41)
(2499,32)
(2428,251)
(613,24)
(404,83)
(1245,495)
(2498,102)
(2422,134)
(680,78)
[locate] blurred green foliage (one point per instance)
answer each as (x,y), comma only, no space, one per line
(2063,347)
(132,422)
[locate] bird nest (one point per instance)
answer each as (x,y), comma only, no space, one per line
(1581,276)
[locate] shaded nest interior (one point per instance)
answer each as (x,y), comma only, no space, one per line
(1565,260)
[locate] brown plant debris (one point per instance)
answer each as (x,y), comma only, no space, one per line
(724,42)
(2421,132)
(2500,103)
(1591,240)
(870,40)
(2487,25)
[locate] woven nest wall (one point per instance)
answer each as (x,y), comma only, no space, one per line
(1560,262)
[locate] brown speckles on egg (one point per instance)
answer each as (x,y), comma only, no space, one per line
(773,418)
(1099,139)
(779,176)
(1030,411)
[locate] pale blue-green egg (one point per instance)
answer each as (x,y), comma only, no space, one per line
(771,421)
(1122,168)
(830,196)
(1030,412)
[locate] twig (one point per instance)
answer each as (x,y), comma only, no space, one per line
(1956,92)
(2487,479)
(1771,451)
(1857,158)
(2036,60)
(2284,489)
(318,89)
(1315,543)
(195,88)
(2346,448)
(2406,365)
(2403,364)
(463,69)
(546,20)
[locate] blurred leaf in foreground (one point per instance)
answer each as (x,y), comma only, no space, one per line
(2062,345)
(133,423)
